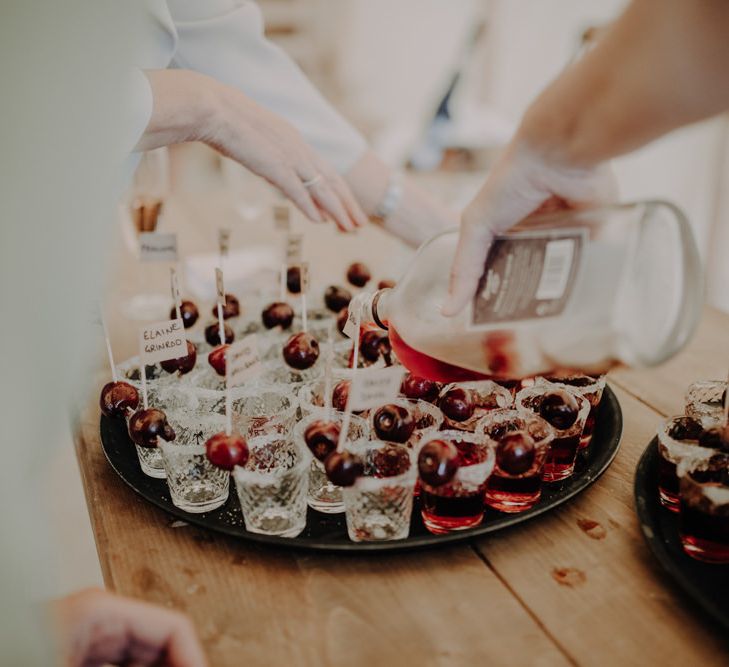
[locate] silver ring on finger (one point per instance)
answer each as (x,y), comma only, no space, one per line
(311,182)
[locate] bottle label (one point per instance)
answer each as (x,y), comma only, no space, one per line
(527,276)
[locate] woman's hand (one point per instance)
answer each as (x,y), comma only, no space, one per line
(192,107)
(97,628)
(521,182)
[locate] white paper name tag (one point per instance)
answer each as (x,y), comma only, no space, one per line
(354,317)
(293,248)
(282,218)
(156,247)
(242,361)
(374,387)
(304,276)
(220,286)
(162,340)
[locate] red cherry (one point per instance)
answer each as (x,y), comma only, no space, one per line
(145,426)
(188,312)
(301,351)
(277,314)
(374,344)
(342,317)
(340,395)
(184,364)
(227,451)
(438,462)
(216,359)
(457,404)
(336,298)
(559,408)
(118,398)
(358,274)
(321,437)
(685,428)
(515,453)
(393,423)
(293,279)
(231,307)
(343,468)
(420,388)
(212,334)
(386,284)
(715,438)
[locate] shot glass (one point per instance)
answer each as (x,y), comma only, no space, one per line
(323,495)
(428,419)
(704,514)
(592,389)
(678,440)
(705,402)
(265,410)
(507,492)
(487,395)
(272,486)
(311,394)
(560,463)
(276,371)
(195,484)
(459,504)
(379,505)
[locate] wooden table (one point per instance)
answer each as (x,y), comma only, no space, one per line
(577,586)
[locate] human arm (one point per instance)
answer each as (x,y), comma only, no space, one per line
(661,65)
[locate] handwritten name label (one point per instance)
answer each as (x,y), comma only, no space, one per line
(282,218)
(220,286)
(162,341)
(157,247)
(242,361)
(174,287)
(374,387)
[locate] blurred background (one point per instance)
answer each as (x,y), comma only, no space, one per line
(437,87)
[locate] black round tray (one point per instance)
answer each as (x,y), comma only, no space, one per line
(705,583)
(327,532)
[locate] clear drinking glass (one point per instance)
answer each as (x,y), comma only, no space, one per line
(272,486)
(591,388)
(379,505)
(704,513)
(507,492)
(195,484)
(323,495)
(487,395)
(428,419)
(678,440)
(705,402)
(562,455)
(459,504)
(264,410)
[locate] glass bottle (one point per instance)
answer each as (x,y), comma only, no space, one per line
(572,291)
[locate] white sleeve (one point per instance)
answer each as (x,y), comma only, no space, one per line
(225,39)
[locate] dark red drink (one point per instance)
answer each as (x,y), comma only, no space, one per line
(427,367)
(560,461)
(459,503)
(667,484)
(514,494)
(704,513)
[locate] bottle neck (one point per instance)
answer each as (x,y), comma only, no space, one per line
(378,308)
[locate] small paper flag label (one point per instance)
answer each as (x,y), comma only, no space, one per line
(157,247)
(354,317)
(374,387)
(162,341)
(304,272)
(224,241)
(293,248)
(220,286)
(174,287)
(242,361)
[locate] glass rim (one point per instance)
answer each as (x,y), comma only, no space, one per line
(320,413)
(370,483)
(528,418)
(597,384)
(462,474)
(685,449)
(432,410)
(535,390)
